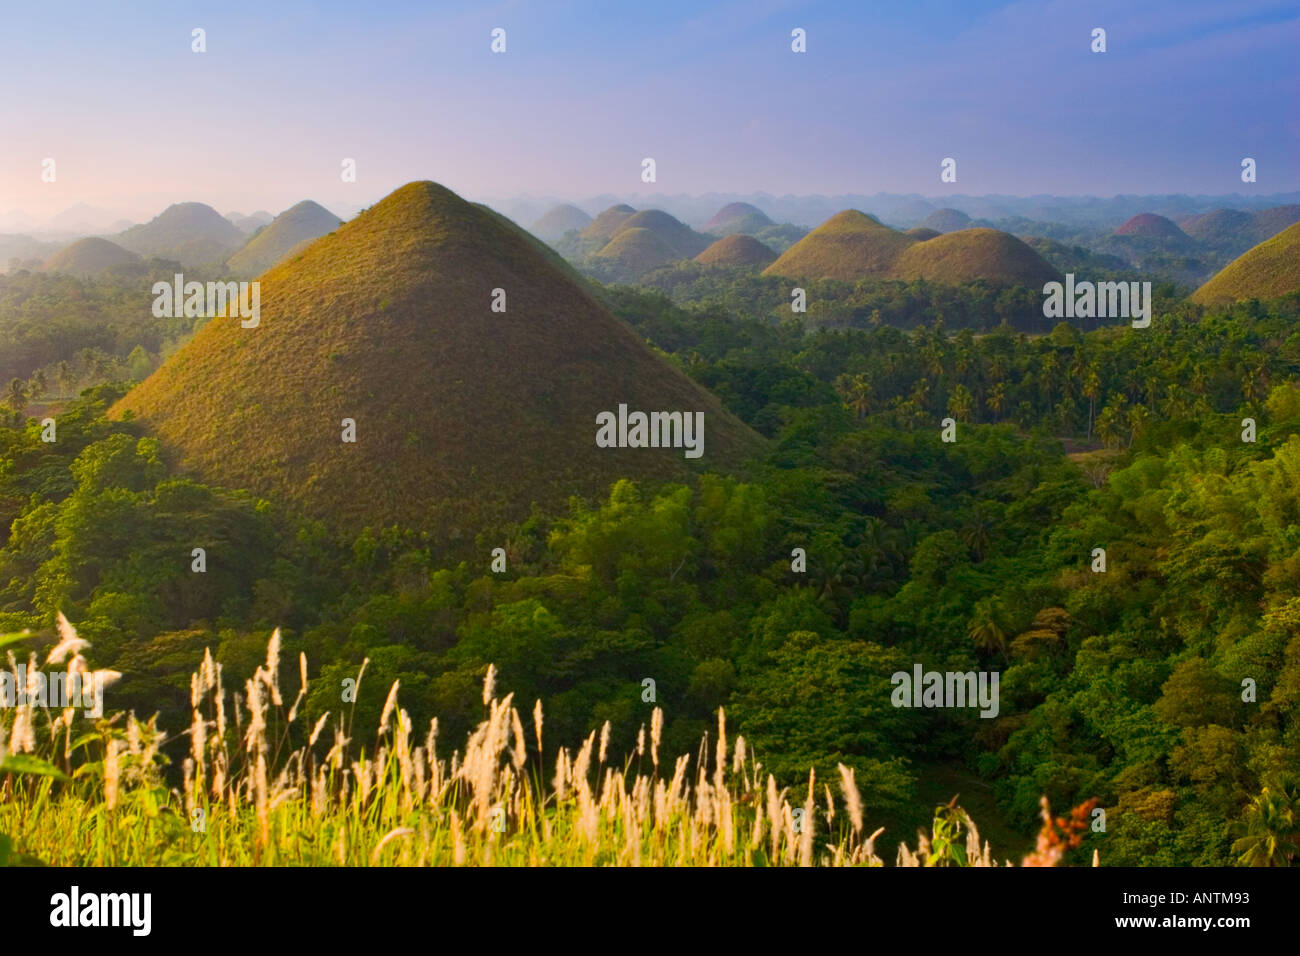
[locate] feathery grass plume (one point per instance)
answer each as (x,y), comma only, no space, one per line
(519,748)
(315,731)
(809,821)
(112,773)
(302,689)
(720,768)
(389,704)
(68,643)
(640,742)
(604,742)
(489,684)
(393,834)
(656,729)
(852,799)
(537,725)
(273,668)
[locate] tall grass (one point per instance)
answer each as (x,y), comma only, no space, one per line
(92,793)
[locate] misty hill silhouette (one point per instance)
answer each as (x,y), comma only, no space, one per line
(304,221)
(91,256)
(189,232)
(560,220)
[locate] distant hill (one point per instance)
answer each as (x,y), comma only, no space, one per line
(91,256)
(304,221)
(736,251)
(850,245)
(606,224)
(681,238)
(946,220)
(189,232)
(1267,223)
(388,322)
(737,217)
(970,254)
(1148,225)
(920,233)
(27,251)
(559,221)
(1220,227)
(1269,270)
(634,251)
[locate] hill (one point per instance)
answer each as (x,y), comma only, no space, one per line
(971,254)
(681,238)
(737,217)
(850,245)
(1148,225)
(387,322)
(736,251)
(559,221)
(91,256)
(921,233)
(632,252)
(1269,270)
(606,224)
(1267,223)
(302,222)
(189,232)
(1219,227)
(946,220)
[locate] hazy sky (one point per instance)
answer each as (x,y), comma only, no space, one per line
(285,91)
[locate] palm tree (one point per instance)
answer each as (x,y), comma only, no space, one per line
(984,629)
(17,397)
(1270,830)
(997,400)
(1138,417)
(1091,389)
(976,534)
(959,403)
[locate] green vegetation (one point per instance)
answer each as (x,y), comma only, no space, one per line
(1164,687)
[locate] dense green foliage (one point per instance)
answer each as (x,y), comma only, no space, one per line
(1125,685)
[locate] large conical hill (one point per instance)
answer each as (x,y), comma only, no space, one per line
(464,416)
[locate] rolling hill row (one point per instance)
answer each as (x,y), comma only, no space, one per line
(196,235)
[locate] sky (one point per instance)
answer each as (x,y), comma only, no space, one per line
(134,119)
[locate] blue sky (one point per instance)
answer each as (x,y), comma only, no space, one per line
(713,92)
